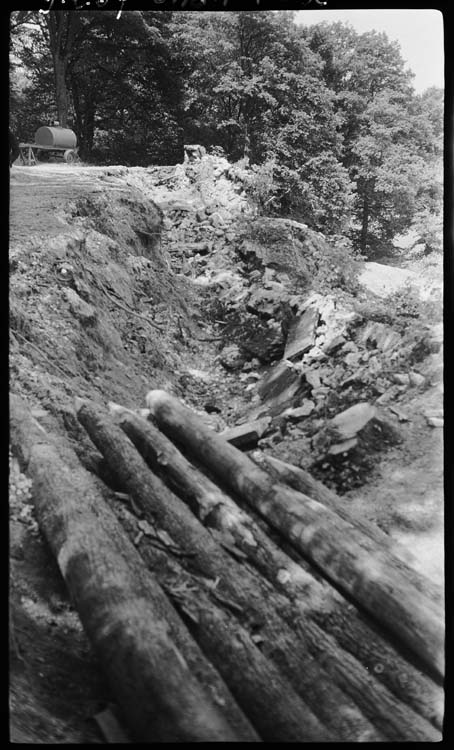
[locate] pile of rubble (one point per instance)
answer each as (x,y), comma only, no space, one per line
(335,392)
(289,320)
(305,358)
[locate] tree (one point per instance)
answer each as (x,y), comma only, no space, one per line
(387,170)
(391,138)
(251,82)
(427,224)
(113,80)
(32,96)
(62,29)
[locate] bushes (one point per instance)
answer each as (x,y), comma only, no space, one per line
(397,309)
(318,194)
(261,188)
(428,227)
(402,309)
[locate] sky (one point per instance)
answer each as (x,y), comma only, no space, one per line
(419,33)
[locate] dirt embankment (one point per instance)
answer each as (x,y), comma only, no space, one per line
(124,280)
(96,310)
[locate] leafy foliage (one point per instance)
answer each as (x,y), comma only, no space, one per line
(253,87)
(390,140)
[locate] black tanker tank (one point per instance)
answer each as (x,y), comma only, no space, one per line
(56,137)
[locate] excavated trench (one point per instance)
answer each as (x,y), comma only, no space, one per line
(124,281)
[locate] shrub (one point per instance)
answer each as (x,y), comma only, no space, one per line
(261,188)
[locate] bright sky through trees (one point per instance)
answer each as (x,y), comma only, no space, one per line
(419,33)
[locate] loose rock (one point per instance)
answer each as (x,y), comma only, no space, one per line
(352,420)
(301,336)
(231,357)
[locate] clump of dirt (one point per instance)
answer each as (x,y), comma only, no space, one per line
(126,216)
(352,468)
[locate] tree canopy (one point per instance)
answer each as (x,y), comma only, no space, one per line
(326,114)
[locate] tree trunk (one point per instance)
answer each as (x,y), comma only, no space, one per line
(61,27)
(85,120)
(88,129)
(376,580)
(316,599)
(121,606)
(77,109)
(364,223)
(61,90)
(256,601)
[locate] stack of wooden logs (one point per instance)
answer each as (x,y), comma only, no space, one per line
(227,600)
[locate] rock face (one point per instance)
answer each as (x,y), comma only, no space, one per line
(295,415)
(347,446)
(280,244)
(279,387)
(248,434)
(351,421)
(301,336)
(380,336)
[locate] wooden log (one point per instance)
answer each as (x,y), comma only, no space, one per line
(302,481)
(120,604)
(313,597)
(257,603)
(375,579)
(200,666)
(274,708)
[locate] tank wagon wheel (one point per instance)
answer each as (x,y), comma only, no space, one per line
(70,156)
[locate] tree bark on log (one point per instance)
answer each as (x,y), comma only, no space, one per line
(267,698)
(303,482)
(257,603)
(378,581)
(215,507)
(120,604)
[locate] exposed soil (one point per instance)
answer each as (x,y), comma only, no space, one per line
(40,198)
(104,312)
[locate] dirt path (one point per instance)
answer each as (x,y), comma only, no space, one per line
(39,197)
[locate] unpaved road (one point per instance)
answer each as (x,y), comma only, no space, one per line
(40,195)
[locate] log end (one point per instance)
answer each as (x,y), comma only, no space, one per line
(117,410)
(157,398)
(79,403)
